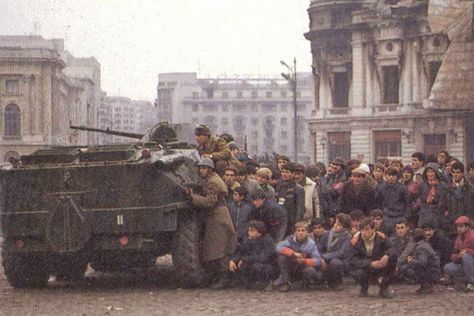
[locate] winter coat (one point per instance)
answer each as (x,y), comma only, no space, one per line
(272,214)
(320,241)
(460,202)
(240,217)
(307,248)
(335,185)
(291,196)
(402,247)
(427,258)
(311,200)
(364,201)
(219,233)
(339,249)
(324,200)
(252,186)
(442,245)
(269,191)
(463,243)
(435,211)
(359,258)
(260,250)
(392,199)
(217,147)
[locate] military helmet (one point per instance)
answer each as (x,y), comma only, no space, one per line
(206,162)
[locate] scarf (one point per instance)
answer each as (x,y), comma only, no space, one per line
(369,245)
(334,237)
(431,195)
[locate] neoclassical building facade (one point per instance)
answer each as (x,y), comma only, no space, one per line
(374,65)
(43,89)
(258,112)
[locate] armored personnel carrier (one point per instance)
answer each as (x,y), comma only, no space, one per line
(113,206)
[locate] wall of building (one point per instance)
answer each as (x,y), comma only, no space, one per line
(257,112)
(364,39)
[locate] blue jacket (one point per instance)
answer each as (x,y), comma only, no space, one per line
(339,249)
(307,248)
(240,217)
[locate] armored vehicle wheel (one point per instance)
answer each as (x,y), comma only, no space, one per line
(72,269)
(24,270)
(186,250)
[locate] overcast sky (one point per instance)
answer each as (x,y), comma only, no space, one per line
(134,40)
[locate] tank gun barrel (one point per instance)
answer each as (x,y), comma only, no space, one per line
(108,131)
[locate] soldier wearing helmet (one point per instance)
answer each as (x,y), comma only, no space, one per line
(219,232)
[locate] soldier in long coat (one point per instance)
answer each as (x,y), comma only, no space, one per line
(219,233)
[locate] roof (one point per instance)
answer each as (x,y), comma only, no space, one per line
(453,88)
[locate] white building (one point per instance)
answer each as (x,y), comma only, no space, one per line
(257,112)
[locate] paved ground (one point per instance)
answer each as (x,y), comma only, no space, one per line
(155,293)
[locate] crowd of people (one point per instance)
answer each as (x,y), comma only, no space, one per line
(278,225)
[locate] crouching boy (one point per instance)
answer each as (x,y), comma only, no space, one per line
(298,259)
(336,251)
(371,259)
(424,265)
(254,262)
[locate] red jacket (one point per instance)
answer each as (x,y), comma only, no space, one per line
(467,243)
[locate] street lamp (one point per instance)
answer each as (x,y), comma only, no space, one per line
(291,78)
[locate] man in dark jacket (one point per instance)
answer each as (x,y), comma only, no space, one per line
(392,199)
(372,259)
(290,195)
(335,252)
(424,265)
(460,198)
(255,258)
(402,243)
(268,211)
(335,181)
(240,210)
(440,243)
(357,194)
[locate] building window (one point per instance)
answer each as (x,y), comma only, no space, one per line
(254,108)
(298,94)
(283,121)
(195,107)
(254,94)
(268,94)
(283,93)
(225,108)
(12,86)
(254,121)
(301,107)
(434,143)
(284,135)
(210,93)
(283,107)
(225,95)
(433,71)
(339,145)
(255,135)
(388,144)
(195,95)
(240,94)
(391,81)
(225,121)
(284,149)
(12,120)
(341,90)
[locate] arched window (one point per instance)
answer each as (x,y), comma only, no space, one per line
(12,120)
